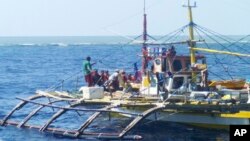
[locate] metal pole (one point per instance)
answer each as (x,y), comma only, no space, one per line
(191,37)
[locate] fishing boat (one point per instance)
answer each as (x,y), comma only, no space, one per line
(176,88)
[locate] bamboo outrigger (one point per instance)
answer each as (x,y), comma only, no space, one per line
(154,107)
(181,98)
(79,133)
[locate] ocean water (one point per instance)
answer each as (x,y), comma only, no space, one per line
(28,64)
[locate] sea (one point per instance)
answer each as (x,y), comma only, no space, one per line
(28,64)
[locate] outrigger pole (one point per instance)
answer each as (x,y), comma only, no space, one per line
(191,35)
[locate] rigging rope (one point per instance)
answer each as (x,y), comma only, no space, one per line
(224,39)
(216,57)
(58,85)
(220,43)
(224,47)
(234,43)
(173,32)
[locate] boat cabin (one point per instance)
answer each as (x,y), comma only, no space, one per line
(180,64)
(181,70)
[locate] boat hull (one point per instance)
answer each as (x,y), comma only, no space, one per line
(217,121)
(202,119)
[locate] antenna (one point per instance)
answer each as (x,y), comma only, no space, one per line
(189,5)
(144,23)
(144,8)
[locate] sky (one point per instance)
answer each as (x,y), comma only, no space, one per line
(118,17)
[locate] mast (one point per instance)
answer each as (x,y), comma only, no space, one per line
(191,36)
(144,25)
(144,45)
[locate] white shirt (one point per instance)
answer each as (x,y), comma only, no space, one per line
(113,76)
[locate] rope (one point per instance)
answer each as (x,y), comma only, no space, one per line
(199,28)
(134,15)
(59,84)
(222,45)
(224,39)
(239,41)
(222,65)
(173,32)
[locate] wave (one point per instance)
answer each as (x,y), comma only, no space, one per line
(57,44)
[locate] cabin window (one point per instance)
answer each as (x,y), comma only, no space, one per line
(177,65)
(178,82)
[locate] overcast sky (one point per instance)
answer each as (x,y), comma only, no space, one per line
(117,17)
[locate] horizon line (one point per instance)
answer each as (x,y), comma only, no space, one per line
(99,35)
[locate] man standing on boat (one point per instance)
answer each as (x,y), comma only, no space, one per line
(87,68)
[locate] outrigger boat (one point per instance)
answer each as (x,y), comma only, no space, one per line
(175,89)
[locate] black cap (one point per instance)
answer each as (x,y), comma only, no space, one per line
(88,58)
